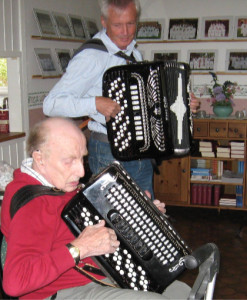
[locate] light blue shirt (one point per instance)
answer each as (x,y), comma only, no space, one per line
(74,94)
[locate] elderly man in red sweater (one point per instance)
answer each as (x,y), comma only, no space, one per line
(41,250)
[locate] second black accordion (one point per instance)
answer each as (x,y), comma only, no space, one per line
(151,252)
(155,119)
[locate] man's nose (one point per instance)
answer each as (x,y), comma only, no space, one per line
(80,169)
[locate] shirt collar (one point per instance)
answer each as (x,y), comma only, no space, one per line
(111,47)
(26,167)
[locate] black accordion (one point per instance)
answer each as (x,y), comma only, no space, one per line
(155,119)
(151,253)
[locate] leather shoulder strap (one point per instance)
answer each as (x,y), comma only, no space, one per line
(92,44)
(29,192)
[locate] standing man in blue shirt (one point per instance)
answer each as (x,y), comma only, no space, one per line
(79,92)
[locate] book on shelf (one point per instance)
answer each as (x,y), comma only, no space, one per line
(228,200)
(223,154)
(237,155)
(223,149)
(241,167)
(236,144)
(217,191)
(207,154)
(205,144)
(237,152)
(200,170)
(201,177)
(199,194)
(239,196)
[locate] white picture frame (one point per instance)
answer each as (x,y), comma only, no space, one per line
(63,58)
(150,29)
(62,25)
(46,61)
(77,24)
(45,22)
(166,55)
(236,60)
(183,29)
(202,60)
(240,27)
(217,28)
(91,27)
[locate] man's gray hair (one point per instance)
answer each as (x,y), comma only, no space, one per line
(121,4)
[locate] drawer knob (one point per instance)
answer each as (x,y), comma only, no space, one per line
(235,130)
(217,129)
(198,129)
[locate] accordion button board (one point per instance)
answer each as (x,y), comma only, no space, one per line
(150,255)
(155,119)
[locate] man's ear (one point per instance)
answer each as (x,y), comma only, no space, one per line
(37,157)
(103,22)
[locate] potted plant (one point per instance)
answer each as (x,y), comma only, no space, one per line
(222,96)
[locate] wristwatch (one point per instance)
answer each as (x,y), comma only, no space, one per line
(75,252)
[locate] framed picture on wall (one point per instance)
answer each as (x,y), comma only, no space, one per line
(90,27)
(202,60)
(217,28)
(236,60)
(78,26)
(183,29)
(46,61)
(240,28)
(63,58)
(150,30)
(166,55)
(62,25)
(45,22)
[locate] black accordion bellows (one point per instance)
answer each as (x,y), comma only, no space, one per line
(151,253)
(155,119)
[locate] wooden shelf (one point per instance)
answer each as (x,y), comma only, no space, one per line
(11,136)
(38,37)
(46,77)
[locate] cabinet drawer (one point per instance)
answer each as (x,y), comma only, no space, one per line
(236,130)
(200,129)
(218,129)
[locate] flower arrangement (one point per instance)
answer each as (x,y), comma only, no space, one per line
(222,95)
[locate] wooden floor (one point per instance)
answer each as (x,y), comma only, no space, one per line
(200,226)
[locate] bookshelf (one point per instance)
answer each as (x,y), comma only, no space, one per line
(222,183)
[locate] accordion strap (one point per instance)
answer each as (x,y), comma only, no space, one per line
(29,192)
(88,269)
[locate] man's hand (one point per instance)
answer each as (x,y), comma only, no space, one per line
(157,203)
(96,240)
(194,103)
(107,107)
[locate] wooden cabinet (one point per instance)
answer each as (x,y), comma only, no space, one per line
(173,184)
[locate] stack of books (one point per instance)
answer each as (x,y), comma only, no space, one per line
(200,174)
(223,151)
(228,200)
(232,177)
(206,149)
(237,149)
